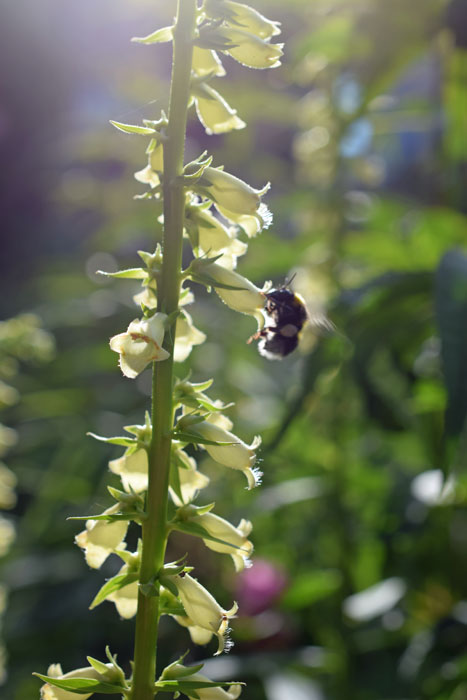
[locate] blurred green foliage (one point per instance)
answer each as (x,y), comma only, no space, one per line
(360,590)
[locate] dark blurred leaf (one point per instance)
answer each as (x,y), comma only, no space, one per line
(451,316)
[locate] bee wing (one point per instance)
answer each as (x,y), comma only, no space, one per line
(319,323)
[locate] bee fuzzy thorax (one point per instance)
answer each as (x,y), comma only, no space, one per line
(285,314)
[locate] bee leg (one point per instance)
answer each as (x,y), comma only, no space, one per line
(262,334)
(255,336)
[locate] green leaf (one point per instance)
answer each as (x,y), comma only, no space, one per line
(123,441)
(197,439)
(168,609)
(131,515)
(172,569)
(82,686)
(160,36)
(133,273)
(208,281)
(192,528)
(184,686)
(181,671)
(112,585)
(135,500)
(125,556)
(201,386)
(169,585)
(212,408)
(133,128)
(198,510)
(194,170)
(97,665)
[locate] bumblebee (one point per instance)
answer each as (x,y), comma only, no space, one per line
(286,314)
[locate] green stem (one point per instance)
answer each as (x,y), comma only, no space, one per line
(155,527)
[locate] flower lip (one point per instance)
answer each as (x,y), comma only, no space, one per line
(140,344)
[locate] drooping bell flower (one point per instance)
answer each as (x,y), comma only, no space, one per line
(213,111)
(186,337)
(203,609)
(101,538)
(236,454)
(244,16)
(140,344)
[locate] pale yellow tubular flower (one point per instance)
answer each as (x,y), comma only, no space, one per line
(133,470)
(207,63)
(230,192)
(199,635)
(141,344)
(50,692)
(239,546)
(215,693)
(203,609)
(250,19)
(150,175)
(221,420)
(213,111)
(214,238)
(250,223)
(126,598)
(148,296)
(101,538)
(191,480)
(245,298)
(252,51)
(186,337)
(237,455)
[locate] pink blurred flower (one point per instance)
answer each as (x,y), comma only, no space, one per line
(259,587)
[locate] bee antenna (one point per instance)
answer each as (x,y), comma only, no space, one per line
(289,281)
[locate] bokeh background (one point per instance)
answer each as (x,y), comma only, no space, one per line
(359,589)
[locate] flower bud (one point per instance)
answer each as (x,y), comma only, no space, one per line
(133,470)
(214,113)
(203,609)
(245,16)
(140,345)
(230,192)
(101,538)
(238,455)
(51,692)
(186,336)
